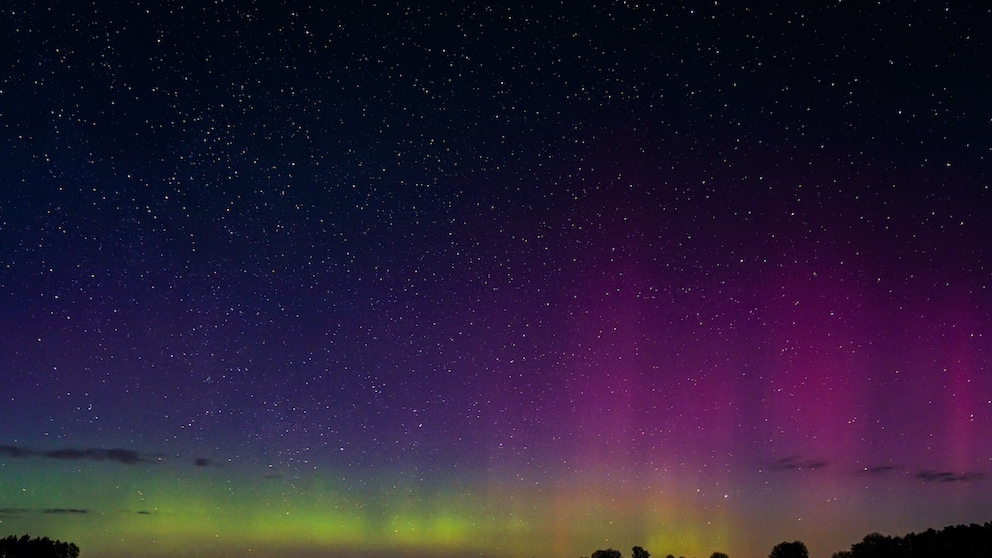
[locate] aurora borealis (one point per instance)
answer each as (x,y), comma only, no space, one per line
(502,281)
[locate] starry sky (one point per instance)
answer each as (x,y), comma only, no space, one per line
(504,280)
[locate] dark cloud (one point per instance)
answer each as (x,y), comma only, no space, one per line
(16,452)
(201,462)
(881,469)
(948,476)
(20,511)
(11,511)
(796,463)
(143,512)
(117,455)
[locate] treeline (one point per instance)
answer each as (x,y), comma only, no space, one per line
(26,547)
(958,541)
(637,552)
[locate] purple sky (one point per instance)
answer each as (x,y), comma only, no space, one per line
(497,281)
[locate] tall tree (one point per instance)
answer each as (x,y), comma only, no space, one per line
(719,555)
(639,552)
(876,545)
(794,549)
(608,553)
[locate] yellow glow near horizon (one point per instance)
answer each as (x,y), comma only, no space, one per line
(220,512)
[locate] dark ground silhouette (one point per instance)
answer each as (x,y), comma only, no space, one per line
(956,541)
(44,547)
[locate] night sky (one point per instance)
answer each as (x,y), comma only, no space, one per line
(454,279)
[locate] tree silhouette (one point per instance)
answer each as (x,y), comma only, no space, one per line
(608,553)
(960,541)
(877,545)
(795,549)
(639,552)
(26,547)
(719,555)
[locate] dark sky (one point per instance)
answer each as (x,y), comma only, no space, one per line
(493,280)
